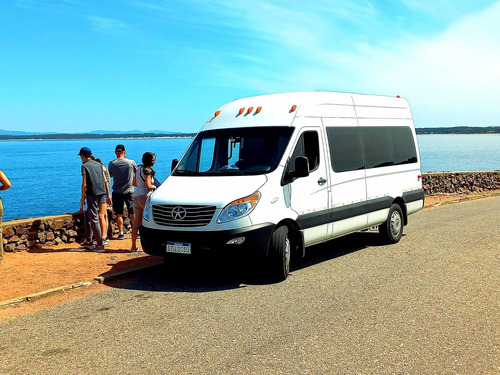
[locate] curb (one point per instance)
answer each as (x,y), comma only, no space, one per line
(464,199)
(14,302)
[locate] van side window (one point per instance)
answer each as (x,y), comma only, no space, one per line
(364,147)
(377,146)
(308,146)
(345,148)
(403,145)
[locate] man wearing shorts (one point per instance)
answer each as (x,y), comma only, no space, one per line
(122,170)
(94,189)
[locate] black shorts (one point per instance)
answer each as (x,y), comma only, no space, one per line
(119,200)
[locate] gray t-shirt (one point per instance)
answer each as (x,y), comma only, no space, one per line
(123,171)
(94,177)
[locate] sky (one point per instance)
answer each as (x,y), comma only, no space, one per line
(84,65)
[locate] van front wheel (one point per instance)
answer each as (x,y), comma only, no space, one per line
(392,230)
(279,254)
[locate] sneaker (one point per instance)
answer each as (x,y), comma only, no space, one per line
(98,249)
(120,236)
(88,243)
(105,241)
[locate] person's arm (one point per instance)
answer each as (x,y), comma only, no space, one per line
(4,181)
(109,170)
(149,183)
(108,196)
(84,187)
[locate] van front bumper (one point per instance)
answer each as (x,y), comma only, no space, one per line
(154,241)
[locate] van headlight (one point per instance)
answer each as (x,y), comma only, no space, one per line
(147,209)
(239,208)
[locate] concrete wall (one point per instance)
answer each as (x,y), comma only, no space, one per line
(21,235)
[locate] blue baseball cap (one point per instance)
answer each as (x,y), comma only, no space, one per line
(85,151)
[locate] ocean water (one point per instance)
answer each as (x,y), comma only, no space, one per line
(46,178)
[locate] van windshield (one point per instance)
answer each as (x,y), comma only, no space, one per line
(239,151)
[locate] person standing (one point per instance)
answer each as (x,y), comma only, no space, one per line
(144,179)
(94,187)
(103,206)
(5,184)
(122,170)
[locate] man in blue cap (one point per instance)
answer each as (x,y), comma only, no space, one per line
(94,187)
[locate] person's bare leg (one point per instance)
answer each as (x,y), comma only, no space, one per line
(134,239)
(103,220)
(119,224)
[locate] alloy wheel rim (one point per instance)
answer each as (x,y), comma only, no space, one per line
(287,255)
(395,223)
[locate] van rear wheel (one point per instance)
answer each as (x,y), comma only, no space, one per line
(392,230)
(279,254)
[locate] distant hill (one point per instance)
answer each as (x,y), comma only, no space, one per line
(460,130)
(16,132)
(97,134)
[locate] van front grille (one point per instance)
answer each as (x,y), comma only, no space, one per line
(182,216)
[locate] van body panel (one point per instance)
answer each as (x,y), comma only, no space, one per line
(192,190)
(362,157)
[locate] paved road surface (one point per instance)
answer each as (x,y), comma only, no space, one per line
(428,305)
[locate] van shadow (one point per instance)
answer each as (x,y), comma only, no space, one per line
(217,274)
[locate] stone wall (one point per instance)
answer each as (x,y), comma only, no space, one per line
(460,182)
(21,235)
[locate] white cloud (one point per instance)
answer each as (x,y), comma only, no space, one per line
(107,25)
(452,79)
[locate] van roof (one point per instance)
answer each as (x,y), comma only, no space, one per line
(281,109)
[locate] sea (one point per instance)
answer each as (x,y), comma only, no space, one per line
(46,179)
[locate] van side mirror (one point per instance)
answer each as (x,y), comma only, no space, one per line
(301,167)
(174,164)
(301,170)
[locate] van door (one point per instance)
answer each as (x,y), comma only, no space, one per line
(309,195)
(348,183)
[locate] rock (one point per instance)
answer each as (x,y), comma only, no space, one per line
(72,233)
(10,247)
(8,231)
(13,239)
(58,224)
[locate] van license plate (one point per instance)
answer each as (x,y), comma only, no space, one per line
(178,247)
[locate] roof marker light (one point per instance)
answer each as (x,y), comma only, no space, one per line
(397,96)
(217,113)
(294,107)
(258,110)
(241,111)
(250,109)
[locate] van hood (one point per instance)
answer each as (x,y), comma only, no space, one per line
(206,190)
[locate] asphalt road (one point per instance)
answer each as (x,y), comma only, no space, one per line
(428,305)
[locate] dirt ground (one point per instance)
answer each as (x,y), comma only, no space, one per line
(36,270)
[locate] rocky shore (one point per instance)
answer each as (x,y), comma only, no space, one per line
(22,235)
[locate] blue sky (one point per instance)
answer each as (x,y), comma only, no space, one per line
(82,65)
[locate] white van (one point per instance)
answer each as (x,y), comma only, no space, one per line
(274,174)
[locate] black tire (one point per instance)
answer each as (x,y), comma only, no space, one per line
(392,230)
(279,254)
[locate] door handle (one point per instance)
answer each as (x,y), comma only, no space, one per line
(321,181)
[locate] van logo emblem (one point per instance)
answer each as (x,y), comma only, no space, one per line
(179,213)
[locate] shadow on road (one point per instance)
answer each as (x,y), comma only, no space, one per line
(209,274)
